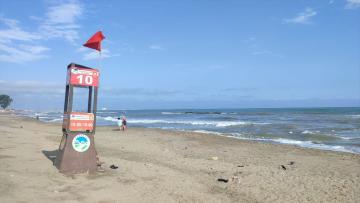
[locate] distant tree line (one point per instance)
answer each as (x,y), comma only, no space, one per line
(5,101)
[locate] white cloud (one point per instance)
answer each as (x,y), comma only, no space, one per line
(22,53)
(15,32)
(352,4)
(61,21)
(303,17)
(16,45)
(156,47)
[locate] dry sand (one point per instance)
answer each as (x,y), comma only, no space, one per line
(162,166)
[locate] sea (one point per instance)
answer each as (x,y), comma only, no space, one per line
(336,129)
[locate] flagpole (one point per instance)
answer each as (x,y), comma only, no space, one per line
(100,56)
(100,59)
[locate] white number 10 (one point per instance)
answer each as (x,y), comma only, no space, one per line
(88,79)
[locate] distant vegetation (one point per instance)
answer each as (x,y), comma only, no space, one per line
(5,101)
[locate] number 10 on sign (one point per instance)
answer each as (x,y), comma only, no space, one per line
(88,79)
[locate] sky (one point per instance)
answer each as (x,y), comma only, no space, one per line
(184,54)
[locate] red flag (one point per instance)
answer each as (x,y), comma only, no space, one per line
(95,41)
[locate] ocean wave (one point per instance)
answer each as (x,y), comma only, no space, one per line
(204,123)
(310,132)
(207,132)
(204,112)
(184,122)
(348,138)
(194,112)
(108,118)
(54,120)
(309,144)
(305,144)
(172,113)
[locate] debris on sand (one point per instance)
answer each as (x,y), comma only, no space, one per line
(223,180)
(113,166)
(235,179)
(214,158)
(283,167)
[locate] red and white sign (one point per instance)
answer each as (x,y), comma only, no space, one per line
(83,76)
(78,121)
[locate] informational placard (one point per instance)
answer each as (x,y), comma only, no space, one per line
(78,121)
(83,77)
(81,143)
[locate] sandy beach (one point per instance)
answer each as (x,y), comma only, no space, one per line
(164,166)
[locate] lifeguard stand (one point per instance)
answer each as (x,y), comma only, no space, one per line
(77,152)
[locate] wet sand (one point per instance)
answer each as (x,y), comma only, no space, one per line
(163,166)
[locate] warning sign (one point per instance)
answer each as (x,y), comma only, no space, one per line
(83,77)
(77,121)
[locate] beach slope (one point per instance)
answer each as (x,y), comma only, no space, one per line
(163,166)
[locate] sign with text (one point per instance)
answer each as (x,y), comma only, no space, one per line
(78,121)
(83,76)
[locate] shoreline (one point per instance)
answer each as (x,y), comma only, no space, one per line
(281,141)
(165,166)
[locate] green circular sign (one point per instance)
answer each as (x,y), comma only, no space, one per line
(81,143)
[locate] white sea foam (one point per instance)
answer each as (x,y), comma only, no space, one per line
(308,132)
(171,113)
(108,118)
(207,132)
(192,122)
(306,144)
(185,122)
(54,120)
(310,144)
(348,138)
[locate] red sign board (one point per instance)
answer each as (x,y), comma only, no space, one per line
(78,121)
(83,76)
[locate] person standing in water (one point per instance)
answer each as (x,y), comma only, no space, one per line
(119,123)
(123,123)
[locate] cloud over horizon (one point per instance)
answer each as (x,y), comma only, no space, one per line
(302,17)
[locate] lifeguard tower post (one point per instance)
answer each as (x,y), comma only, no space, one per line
(77,152)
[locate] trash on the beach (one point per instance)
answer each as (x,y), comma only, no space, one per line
(236,179)
(292,163)
(113,166)
(223,180)
(240,166)
(214,158)
(283,167)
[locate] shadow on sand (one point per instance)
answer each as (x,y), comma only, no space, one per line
(51,155)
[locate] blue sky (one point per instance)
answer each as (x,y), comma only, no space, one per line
(185,54)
